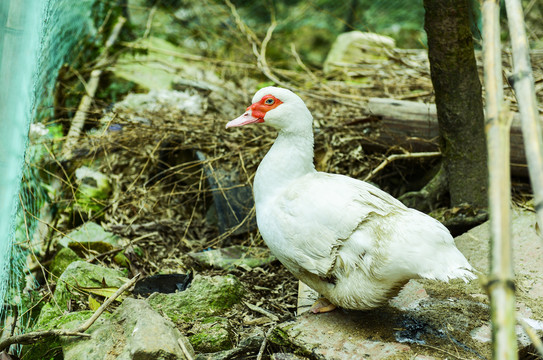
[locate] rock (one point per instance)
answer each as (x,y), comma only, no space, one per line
(79,275)
(62,259)
(93,189)
(232,256)
(207,296)
(340,335)
(134,331)
(90,236)
(354,47)
(200,304)
(211,335)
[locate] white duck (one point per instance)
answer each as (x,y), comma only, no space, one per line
(348,240)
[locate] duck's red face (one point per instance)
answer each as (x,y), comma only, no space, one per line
(256,112)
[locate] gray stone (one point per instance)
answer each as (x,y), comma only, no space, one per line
(134,332)
(90,236)
(287,356)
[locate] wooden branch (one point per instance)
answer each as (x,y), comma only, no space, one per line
(394,157)
(81,114)
(264,342)
(35,336)
(264,312)
(523,83)
(500,285)
(414,127)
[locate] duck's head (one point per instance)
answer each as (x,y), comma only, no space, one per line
(276,107)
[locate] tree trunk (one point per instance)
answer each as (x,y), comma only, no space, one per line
(458,99)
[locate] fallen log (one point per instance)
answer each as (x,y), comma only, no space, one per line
(413,126)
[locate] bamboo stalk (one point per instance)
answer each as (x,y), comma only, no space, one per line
(92,85)
(523,83)
(498,120)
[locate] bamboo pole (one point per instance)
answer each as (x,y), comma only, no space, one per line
(500,285)
(523,83)
(92,85)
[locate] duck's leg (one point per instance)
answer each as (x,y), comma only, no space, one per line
(321,306)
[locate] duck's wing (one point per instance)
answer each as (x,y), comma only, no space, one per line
(330,225)
(320,215)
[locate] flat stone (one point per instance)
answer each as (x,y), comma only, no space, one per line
(338,335)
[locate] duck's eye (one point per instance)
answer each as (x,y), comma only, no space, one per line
(269,101)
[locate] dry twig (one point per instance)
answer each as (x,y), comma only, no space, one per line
(264,342)
(394,157)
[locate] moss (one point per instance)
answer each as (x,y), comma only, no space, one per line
(279,337)
(207,296)
(79,275)
(212,334)
(62,259)
(51,317)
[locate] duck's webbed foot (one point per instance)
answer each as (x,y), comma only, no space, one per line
(321,306)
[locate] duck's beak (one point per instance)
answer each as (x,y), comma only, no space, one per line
(244,119)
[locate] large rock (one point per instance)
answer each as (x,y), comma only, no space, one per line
(428,319)
(134,332)
(207,296)
(201,306)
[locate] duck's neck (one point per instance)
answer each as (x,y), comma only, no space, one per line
(290,157)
